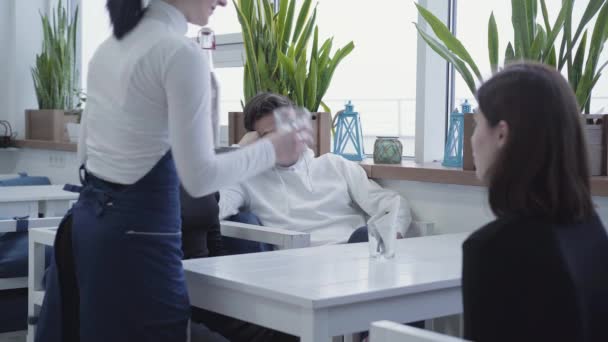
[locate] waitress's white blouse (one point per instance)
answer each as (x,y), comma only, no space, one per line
(153,91)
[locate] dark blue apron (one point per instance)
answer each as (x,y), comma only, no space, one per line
(120,276)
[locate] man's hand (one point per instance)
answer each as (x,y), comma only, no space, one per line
(249,138)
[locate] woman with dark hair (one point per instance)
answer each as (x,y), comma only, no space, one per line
(149,124)
(539,272)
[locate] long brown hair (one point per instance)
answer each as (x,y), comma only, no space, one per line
(542,170)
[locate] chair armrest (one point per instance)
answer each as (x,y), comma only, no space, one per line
(385,331)
(420,228)
(283,238)
(7,226)
(13,283)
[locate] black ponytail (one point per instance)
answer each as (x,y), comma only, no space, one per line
(124,14)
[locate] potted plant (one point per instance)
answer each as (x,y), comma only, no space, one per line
(54,76)
(579,53)
(279,56)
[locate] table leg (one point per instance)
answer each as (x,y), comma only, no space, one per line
(314,326)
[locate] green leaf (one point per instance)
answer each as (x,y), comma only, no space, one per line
(509,54)
(521,29)
(557,27)
(310,88)
(531,12)
(300,80)
(493,43)
(551,58)
(592,8)
(289,24)
(449,40)
(251,60)
(537,44)
(566,48)
(301,19)
(284,22)
(288,63)
(449,56)
(543,7)
(579,59)
(306,33)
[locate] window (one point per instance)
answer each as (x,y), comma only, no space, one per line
(468,31)
(227,58)
(379,76)
(95,29)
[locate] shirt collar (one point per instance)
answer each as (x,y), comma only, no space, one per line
(168,14)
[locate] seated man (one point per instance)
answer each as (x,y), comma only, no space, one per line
(328,197)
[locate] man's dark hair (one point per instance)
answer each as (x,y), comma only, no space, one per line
(261,105)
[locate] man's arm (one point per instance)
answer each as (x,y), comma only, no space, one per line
(232,199)
(374,199)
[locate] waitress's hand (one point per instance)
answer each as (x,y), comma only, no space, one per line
(289,146)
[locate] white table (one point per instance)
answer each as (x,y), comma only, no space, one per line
(50,200)
(320,292)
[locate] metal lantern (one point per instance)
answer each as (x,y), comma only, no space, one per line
(466,107)
(348,139)
(452,156)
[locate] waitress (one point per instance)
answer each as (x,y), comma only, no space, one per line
(117,273)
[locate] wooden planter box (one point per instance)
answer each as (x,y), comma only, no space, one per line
(467,151)
(47,124)
(321,126)
(596,132)
(596,129)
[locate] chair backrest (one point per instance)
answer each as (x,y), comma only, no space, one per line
(15,251)
(385,331)
(25,180)
(321,126)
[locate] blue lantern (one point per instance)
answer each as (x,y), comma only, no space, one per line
(348,139)
(466,107)
(452,155)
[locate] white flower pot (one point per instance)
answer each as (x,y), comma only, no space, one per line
(73,131)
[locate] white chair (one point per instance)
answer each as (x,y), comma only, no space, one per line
(15,225)
(386,331)
(282,238)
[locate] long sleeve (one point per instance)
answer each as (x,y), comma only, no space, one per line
(374,199)
(187,82)
(231,200)
(472,289)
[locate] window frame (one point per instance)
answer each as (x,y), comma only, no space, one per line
(431,128)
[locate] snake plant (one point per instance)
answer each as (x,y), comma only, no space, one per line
(54,73)
(579,53)
(279,56)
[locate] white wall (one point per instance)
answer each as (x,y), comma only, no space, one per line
(28,41)
(453,208)
(61,167)
(456,208)
(7,56)
(20,35)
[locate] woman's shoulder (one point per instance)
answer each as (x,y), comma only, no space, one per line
(506,231)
